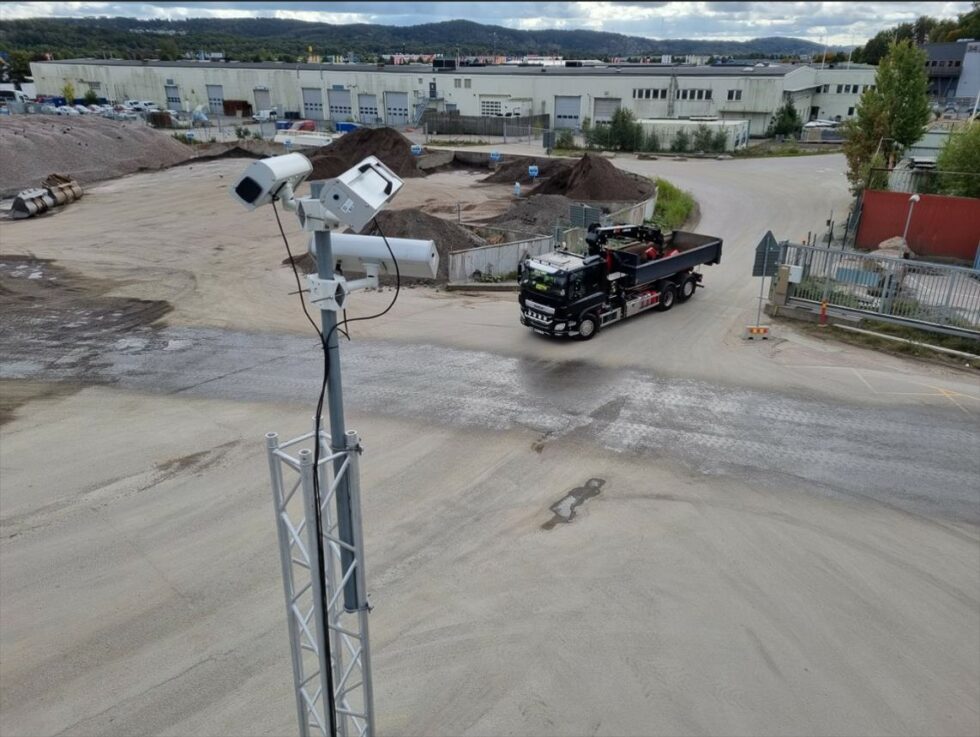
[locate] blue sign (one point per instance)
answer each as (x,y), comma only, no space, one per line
(532,171)
(287,143)
(495,156)
(416,149)
(190,134)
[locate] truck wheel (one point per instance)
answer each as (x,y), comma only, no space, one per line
(667,297)
(688,287)
(588,326)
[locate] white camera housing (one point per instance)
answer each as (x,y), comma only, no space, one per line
(361,192)
(368,254)
(269,179)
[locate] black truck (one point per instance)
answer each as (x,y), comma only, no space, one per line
(626,270)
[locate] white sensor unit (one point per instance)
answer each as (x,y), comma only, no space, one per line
(274,178)
(361,192)
(417,259)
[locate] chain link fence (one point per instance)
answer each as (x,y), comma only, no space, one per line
(936,296)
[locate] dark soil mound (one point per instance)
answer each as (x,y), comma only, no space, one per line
(447,235)
(515,169)
(538,214)
(594,178)
(386,143)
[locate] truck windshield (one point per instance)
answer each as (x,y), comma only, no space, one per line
(538,280)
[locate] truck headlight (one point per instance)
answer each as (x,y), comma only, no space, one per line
(560,326)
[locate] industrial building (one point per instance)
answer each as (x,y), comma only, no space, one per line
(398,95)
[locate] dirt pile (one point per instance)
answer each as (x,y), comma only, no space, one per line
(594,178)
(87,148)
(351,148)
(514,169)
(537,215)
(448,236)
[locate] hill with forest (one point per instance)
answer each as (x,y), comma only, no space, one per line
(271,39)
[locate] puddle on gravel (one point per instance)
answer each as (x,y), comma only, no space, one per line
(564,508)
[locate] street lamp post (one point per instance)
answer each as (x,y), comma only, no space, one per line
(912,200)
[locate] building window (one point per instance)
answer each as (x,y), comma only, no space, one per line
(734,94)
(850,111)
(825,89)
(457,83)
(707,94)
(467,83)
(840,89)
(956,63)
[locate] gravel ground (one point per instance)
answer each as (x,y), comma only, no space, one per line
(90,149)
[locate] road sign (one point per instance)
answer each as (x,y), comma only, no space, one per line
(766,256)
(495,156)
(416,149)
(190,135)
(532,171)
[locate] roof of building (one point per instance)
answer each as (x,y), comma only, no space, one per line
(945,51)
(639,70)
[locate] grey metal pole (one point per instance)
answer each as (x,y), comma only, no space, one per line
(335,402)
(765,263)
(354,472)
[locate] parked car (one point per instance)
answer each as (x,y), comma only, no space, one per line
(66,110)
(265,116)
(82,110)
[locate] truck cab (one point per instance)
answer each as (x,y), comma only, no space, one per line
(558,287)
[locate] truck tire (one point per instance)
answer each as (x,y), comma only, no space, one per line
(588,326)
(688,287)
(668,295)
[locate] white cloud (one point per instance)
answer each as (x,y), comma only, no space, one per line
(832,22)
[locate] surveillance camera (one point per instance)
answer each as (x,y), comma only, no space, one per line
(273,178)
(354,253)
(361,192)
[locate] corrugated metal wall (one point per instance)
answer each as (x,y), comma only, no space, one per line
(940,225)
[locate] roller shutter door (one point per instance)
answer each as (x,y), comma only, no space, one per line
(605,108)
(312,103)
(367,108)
(340,107)
(568,112)
(396,108)
(173,97)
(263,100)
(216,99)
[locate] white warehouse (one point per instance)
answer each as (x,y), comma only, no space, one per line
(397,95)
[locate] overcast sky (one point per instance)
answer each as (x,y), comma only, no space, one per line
(839,23)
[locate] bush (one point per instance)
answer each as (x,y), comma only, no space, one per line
(90,97)
(565,140)
(786,122)
(702,138)
(674,206)
(959,163)
(681,142)
(241,132)
(651,143)
(719,141)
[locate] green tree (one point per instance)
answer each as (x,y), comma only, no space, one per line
(68,92)
(565,140)
(959,163)
(169,51)
(681,142)
(91,97)
(651,142)
(625,133)
(890,116)
(702,138)
(719,141)
(786,121)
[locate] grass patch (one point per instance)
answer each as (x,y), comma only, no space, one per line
(764,151)
(953,342)
(674,206)
(455,142)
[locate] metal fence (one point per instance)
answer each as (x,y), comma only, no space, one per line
(488,263)
(933,296)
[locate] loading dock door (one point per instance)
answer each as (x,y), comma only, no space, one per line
(605,108)
(216,99)
(368,108)
(568,112)
(173,97)
(312,103)
(340,107)
(396,108)
(263,100)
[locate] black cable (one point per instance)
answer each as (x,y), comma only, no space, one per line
(325,345)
